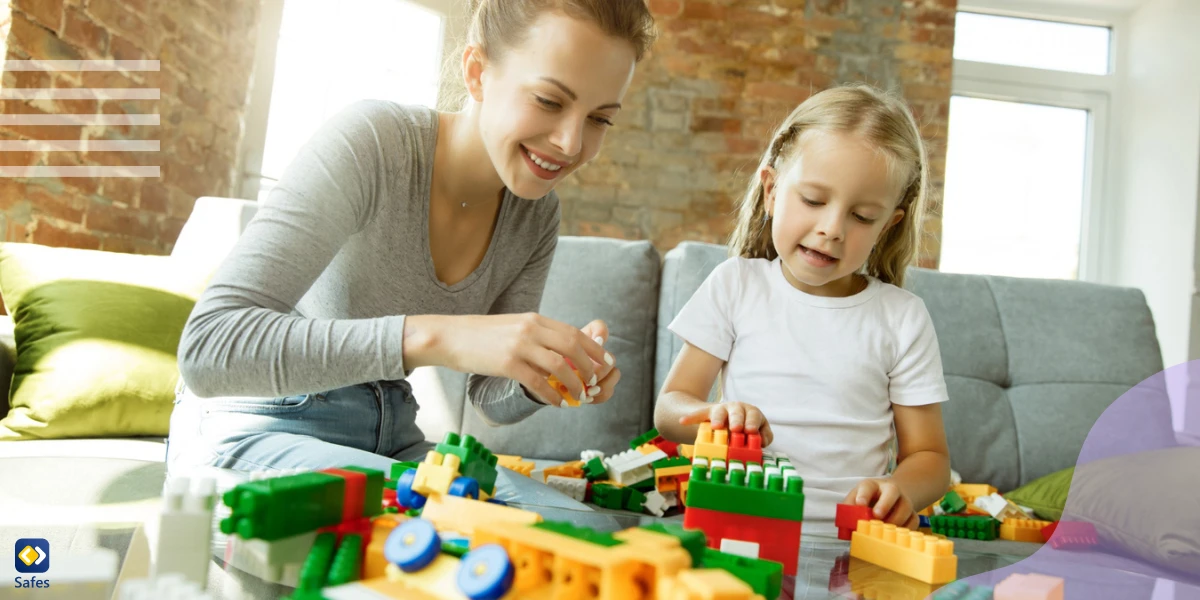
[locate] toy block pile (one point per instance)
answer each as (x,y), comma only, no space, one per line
(978,512)
(431,530)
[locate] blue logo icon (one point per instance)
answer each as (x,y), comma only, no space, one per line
(32,555)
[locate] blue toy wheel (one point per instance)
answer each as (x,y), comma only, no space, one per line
(485,573)
(464,487)
(405,495)
(412,545)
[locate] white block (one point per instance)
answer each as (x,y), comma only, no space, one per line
(172,586)
(279,561)
(740,548)
(588,455)
(182,543)
(575,488)
(671,499)
(655,503)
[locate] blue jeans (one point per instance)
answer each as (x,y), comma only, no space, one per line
(370,425)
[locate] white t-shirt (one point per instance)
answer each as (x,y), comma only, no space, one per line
(824,371)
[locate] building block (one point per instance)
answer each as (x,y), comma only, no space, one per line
(315,571)
(633,499)
(568,469)
(347,561)
(1048,531)
(185,530)
(778,540)
(435,475)
(970,491)
(760,494)
(917,555)
(631,466)
(462,515)
(1023,530)
(763,576)
(1074,535)
(352,496)
(739,548)
(745,447)
(866,580)
(475,461)
(1000,508)
(595,470)
(655,503)
(968,527)
(692,541)
(711,443)
(374,561)
(645,438)
(550,564)
(172,586)
(373,491)
(1031,586)
(706,584)
(277,562)
(587,455)
(515,463)
(847,517)
(952,503)
(575,488)
(608,496)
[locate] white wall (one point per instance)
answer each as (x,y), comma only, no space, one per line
(1159,167)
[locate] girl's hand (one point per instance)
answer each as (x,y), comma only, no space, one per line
(527,348)
(740,416)
(889,503)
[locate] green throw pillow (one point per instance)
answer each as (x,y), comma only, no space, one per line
(1047,495)
(96,336)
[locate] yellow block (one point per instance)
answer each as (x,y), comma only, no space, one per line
(917,555)
(439,580)
(374,564)
(685,450)
(549,565)
(648,449)
(464,515)
(1022,530)
(974,490)
(515,463)
(573,469)
(711,444)
(705,584)
(436,473)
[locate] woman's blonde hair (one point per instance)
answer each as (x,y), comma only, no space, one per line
(883,120)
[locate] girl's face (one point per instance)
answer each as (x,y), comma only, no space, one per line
(545,107)
(830,203)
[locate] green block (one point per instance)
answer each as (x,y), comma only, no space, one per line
(952,503)
(643,439)
(412,512)
(373,495)
(346,567)
(594,470)
(634,500)
(475,461)
(608,496)
(280,507)
(692,541)
(671,461)
(970,527)
(579,533)
(753,497)
(398,469)
(644,485)
(316,565)
(454,549)
(305,595)
(764,576)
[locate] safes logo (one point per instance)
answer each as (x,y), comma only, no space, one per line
(33,555)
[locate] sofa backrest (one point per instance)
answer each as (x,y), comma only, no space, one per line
(1030,364)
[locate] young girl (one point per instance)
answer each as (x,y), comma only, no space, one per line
(821,351)
(402,237)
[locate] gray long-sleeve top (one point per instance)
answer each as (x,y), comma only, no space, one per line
(314,294)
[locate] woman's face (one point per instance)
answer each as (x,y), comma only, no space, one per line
(546,105)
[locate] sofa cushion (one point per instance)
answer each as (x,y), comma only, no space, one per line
(96,335)
(593,278)
(685,267)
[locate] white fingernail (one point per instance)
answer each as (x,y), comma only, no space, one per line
(584,399)
(594,390)
(599,340)
(592,381)
(608,359)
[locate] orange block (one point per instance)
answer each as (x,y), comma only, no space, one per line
(711,443)
(515,463)
(920,556)
(1029,586)
(1022,530)
(573,469)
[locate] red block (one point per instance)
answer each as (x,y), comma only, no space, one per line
(356,489)
(777,539)
(1074,535)
(671,448)
(1048,531)
(746,447)
(389,498)
(847,518)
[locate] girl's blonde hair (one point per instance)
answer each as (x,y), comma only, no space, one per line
(883,120)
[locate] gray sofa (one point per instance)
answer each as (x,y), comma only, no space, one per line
(1030,366)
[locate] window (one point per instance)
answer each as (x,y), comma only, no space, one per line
(1026,147)
(329,57)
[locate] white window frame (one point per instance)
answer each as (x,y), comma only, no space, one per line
(250,177)
(1095,93)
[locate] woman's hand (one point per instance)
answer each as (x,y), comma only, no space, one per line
(603,388)
(526,347)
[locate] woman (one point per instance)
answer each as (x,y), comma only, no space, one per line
(402,237)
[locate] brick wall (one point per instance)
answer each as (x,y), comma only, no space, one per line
(722,76)
(205,49)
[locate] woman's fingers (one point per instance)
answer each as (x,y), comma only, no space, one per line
(535,384)
(552,363)
(603,390)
